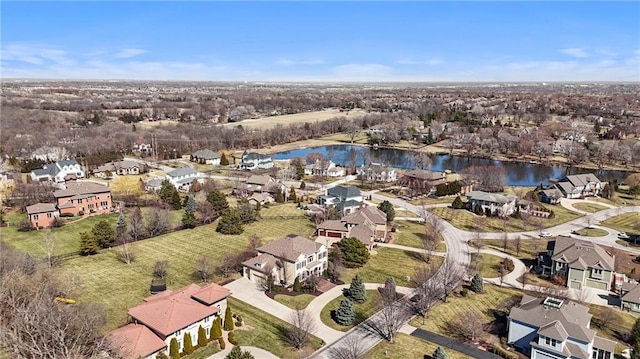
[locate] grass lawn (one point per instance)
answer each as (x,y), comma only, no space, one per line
(429,200)
(405,213)
(589,207)
(406,346)
(264,331)
(300,300)
(592,232)
(489,265)
(621,324)
(363,311)
(103,279)
(388,262)
(457,307)
(410,234)
(204,353)
(623,223)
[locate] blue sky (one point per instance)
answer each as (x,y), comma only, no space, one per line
(322,41)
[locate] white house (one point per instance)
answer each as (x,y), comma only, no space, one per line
(377,172)
(579,186)
(206,157)
(324,168)
(58,172)
(182,177)
(550,328)
(251,161)
(346,199)
(497,204)
(287,258)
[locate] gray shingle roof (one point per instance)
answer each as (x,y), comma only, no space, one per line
(290,248)
(580,253)
(633,296)
(81,188)
(41,208)
(182,171)
(206,154)
(489,197)
(344,191)
(264,261)
(581,180)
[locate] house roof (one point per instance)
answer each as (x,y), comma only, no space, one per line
(206,154)
(363,233)
(81,188)
(211,293)
(135,341)
(260,180)
(182,171)
(154,182)
(489,197)
(264,260)
(554,330)
(574,318)
(169,311)
(370,213)
(261,197)
(581,180)
(346,204)
(41,208)
(565,187)
(425,175)
(552,193)
(633,296)
(334,225)
(254,156)
(580,254)
(47,170)
(344,191)
(290,247)
(67,163)
(606,344)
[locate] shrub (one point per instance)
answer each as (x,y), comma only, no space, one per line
(501,352)
(439,353)
(457,203)
(216,329)
(228,320)
(173,349)
(188,344)
(202,337)
(296,285)
(508,264)
(24,225)
(354,252)
(476,284)
(222,343)
(464,292)
(232,338)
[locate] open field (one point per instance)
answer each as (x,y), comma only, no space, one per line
(406,346)
(623,223)
(298,118)
(388,262)
(589,207)
(410,234)
(293,302)
(363,310)
(103,279)
(264,331)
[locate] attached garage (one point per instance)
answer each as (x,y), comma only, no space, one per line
(575,285)
(596,284)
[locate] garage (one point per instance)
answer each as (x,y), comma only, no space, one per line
(575,285)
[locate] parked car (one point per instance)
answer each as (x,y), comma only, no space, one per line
(565,235)
(545,234)
(623,235)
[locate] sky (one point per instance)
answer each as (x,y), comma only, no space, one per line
(331,41)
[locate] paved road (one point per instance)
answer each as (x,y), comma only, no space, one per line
(453,344)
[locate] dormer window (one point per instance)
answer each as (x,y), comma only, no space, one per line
(550,342)
(258,265)
(596,273)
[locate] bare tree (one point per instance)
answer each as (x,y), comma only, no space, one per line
(125,253)
(505,241)
(502,271)
(136,225)
(204,268)
(301,329)
(429,243)
(50,247)
(352,130)
(157,221)
(450,275)
(518,244)
(605,316)
(267,282)
(227,264)
(391,317)
(468,326)
(351,347)
(160,269)
(428,291)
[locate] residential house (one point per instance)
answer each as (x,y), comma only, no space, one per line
(120,168)
(324,169)
(580,186)
(346,199)
(287,258)
(496,204)
(581,263)
(81,198)
(6,177)
(550,328)
(368,224)
(551,196)
(251,161)
(153,184)
(171,314)
(258,184)
(630,297)
(377,172)
(182,178)
(422,181)
(58,172)
(136,341)
(206,157)
(262,198)
(142,147)
(42,215)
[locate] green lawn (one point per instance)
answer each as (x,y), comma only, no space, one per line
(388,262)
(410,233)
(489,265)
(429,200)
(103,279)
(623,223)
(363,311)
(264,331)
(621,324)
(293,302)
(204,353)
(406,346)
(589,207)
(529,248)
(592,232)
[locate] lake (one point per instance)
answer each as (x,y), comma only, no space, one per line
(518,173)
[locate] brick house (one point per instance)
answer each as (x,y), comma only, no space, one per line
(42,215)
(83,198)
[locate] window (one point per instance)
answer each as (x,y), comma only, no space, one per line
(35,216)
(310,259)
(48,215)
(551,342)
(79,201)
(595,272)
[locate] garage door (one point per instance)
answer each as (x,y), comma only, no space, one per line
(597,285)
(575,285)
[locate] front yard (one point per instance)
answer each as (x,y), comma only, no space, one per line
(363,310)
(406,346)
(410,234)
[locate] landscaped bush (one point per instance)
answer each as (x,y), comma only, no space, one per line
(501,352)
(216,329)
(228,320)
(24,225)
(232,338)
(464,292)
(222,343)
(508,264)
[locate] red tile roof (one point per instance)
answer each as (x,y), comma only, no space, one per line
(134,341)
(211,293)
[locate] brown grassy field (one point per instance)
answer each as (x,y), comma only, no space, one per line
(304,117)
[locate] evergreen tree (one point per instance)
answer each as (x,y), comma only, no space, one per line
(296,285)
(635,351)
(303,185)
(169,195)
(439,353)
(88,244)
(292,195)
(354,252)
(218,201)
(299,170)
(346,313)
(121,226)
(174,353)
(357,291)
(202,337)
(430,139)
(237,353)
(280,197)
(387,208)
(457,203)
(224,161)
(228,319)
(190,203)
(189,219)
(216,329)
(188,344)
(476,284)
(230,222)
(635,332)
(103,234)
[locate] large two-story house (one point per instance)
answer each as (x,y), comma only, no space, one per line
(496,204)
(58,172)
(251,161)
(368,224)
(324,168)
(287,258)
(182,177)
(168,315)
(550,328)
(579,186)
(377,172)
(581,263)
(84,198)
(346,199)
(42,215)
(206,157)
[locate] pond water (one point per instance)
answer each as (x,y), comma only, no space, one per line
(518,173)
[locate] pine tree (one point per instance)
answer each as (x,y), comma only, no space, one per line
(216,329)
(346,313)
(280,197)
(218,201)
(228,319)
(169,194)
(174,353)
(88,244)
(457,203)
(635,351)
(296,285)
(188,344)
(292,195)
(121,226)
(189,219)
(230,222)
(103,234)
(439,353)
(387,208)
(224,161)
(635,332)
(190,203)
(357,291)
(237,353)
(303,185)
(476,284)
(202,337)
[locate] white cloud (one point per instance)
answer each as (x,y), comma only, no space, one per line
(34,54)
(429,62)
(289,62)
(129,53)
(575,52)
